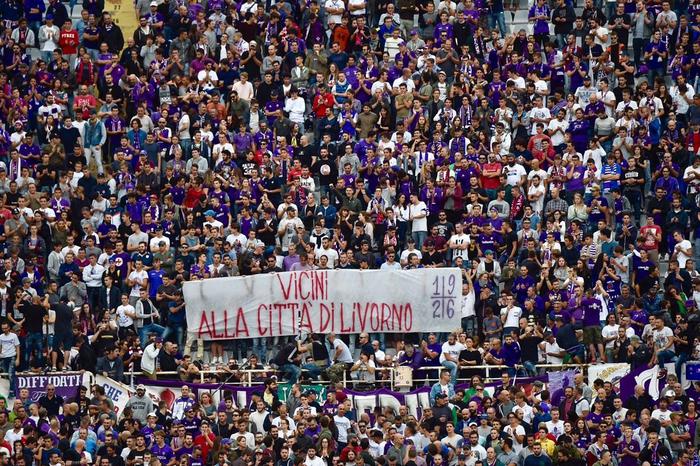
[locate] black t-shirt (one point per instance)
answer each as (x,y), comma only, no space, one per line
(318,170)
(136,455)
(262,233)
(528,347)
(69,136)
(616,24)
(633,174)
(167,362)
(52,405)
(627,74)
(64,317)
(433,258)
(684,347)
(286,355)
(445,229)
(34,315)
(319,351)
(71,455)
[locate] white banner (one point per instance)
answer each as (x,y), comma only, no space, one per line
(115,391)
(324,301)
(120,393)
(612,372)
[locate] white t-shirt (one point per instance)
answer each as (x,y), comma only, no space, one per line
(541,173)
(468,302)
(359,12)
(343,425)
(124,320)
(601,32)
(682,257)
(662,416)
(458,240)
(540,114)
(552,348)
(419,224)
(345,355)
(528,413)
(202,75)
(136,289)
(406,253)
(555,428)
(619,416)
(608,332)
(452,350)
(332,255)
(8,345)
(558,138)
(334,18)
(512,317)
(607,98)
(537,205)
(514,174)
(316,461)
(682,105)
(520,430)
(661,338)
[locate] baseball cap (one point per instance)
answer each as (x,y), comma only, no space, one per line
(140,387)
(209,213)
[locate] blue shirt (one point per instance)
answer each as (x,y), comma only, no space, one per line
(155,280)
(30,4)
(614,169)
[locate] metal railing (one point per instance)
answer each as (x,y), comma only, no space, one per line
(252,377)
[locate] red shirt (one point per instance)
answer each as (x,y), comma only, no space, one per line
(202,442)
(69,41)
(491,182)
(650,242)
(321,103)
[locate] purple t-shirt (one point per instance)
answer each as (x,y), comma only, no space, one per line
(591,312)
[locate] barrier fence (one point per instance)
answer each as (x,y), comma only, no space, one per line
(396,377)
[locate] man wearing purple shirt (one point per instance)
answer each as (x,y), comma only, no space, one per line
(510,354)
(243,140)
(106,226)
(363,145)
(120,258)
(58,203)
(443,26)
(521,284)
(161,450)
(187,447)
(114,124)
(592,336)
(432,197)
(142,92)
(29,153)
(191,423)
(273,107)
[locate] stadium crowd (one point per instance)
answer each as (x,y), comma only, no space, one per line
(556,165)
